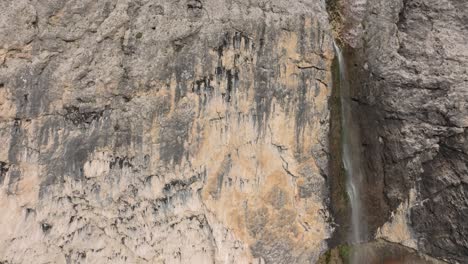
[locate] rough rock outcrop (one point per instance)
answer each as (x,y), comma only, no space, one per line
(164,131)
(196,131)
(411,93)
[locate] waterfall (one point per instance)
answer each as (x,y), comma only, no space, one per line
(350,153)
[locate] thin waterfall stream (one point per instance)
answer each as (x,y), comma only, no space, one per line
(350,154)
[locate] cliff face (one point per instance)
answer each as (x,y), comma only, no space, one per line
(411,94)
(190,131)
(164,131)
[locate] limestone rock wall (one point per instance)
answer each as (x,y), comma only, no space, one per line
(188,131)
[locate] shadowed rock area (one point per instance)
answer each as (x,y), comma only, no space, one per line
(410,91)
(376,252)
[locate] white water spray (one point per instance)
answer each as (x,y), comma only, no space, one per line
(350,154)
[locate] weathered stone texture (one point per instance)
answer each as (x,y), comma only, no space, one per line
(412,94)
(163,131)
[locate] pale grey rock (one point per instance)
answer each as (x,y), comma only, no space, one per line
(163,131)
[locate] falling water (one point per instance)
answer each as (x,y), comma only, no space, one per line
(350,154)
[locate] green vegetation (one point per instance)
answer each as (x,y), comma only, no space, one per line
(327,256)
(345,253)
(338,255)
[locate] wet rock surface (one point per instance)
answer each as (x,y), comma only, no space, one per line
(164,131)
(411,93)
(375,252)
(197,131)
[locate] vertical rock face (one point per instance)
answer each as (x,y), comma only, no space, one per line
(168,131)
(412,89)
